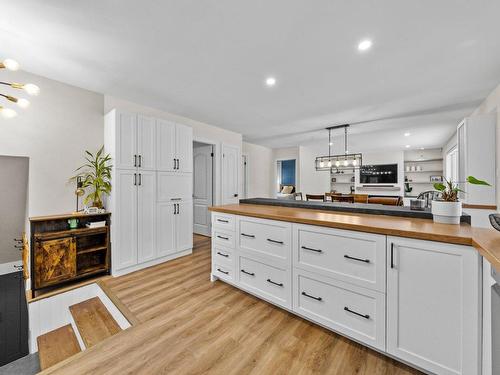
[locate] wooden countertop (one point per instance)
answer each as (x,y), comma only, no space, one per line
(486,241)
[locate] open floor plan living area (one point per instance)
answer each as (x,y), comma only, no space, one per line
(249,187)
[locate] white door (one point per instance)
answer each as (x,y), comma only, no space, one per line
(165,145)
(146,142)
(432,305)
(230,169)
(184,225)
(125,220)
(202,189)
(146,217)
(173,186)
(126,141)
(165,229)
(184,148)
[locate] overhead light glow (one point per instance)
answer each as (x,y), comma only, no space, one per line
(270,81)
(7,112)
(365,45)
(23,103)
(10,64)
(407,146)
(407,134)
(31,89)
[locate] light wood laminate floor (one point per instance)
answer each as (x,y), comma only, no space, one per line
(189,325)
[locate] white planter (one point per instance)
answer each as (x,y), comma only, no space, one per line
(446,212)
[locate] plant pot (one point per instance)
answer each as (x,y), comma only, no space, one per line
(446,212)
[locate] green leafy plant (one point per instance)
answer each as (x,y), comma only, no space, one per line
(450,190)
(96,176)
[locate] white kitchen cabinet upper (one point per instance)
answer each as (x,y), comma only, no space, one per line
(175,147)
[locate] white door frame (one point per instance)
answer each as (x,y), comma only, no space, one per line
(245,175)
(238,171)
(200,228)
(216,168)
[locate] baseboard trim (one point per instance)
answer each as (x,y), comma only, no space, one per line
(151,263)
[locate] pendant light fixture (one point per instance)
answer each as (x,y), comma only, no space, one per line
(341,161)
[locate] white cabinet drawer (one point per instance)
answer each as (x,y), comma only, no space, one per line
(265,237)
(356,312)
(223,221)
(223,271)
(223,238)
(269,282)
(174,186)
(355,257)
(223,255)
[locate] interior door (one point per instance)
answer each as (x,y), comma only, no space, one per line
(184,148)
(230,171)
(126,141)
(165,146)
(165,242)
(125,215)
(146,142)
(146,220)
(184,225)
(202,189)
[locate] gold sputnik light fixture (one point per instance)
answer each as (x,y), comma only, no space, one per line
(29,88)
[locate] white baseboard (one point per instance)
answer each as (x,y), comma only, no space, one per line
(151,263)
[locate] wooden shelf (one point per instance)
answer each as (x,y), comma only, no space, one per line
(424,171)
(67,216)
(91,270)
(91,249)
(70,232)
(424,160)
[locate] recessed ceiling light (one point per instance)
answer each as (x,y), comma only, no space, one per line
(365,45)
(407,146)
(270,81)
(407,134)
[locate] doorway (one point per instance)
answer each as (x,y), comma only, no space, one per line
(203,187)
(286,175)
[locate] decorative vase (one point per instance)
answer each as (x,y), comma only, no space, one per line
(446,212)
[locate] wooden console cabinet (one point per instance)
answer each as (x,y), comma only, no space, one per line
(60,255)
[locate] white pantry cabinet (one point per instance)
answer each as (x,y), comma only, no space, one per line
(151,199)
(433,305)
(175,147)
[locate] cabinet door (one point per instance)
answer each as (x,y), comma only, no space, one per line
(165,145)
(126,140)
(184,148)
(124,228)
(174,186)
(230,170)
(146,142)
(433,305)
(146,217)
(165,229)
(184,225)
(55,261)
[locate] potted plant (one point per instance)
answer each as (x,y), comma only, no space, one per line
(95,176)
(448,209)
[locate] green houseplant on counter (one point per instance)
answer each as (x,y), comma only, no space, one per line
(95,176)
(448,209)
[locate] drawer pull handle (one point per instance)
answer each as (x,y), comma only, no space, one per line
(223,238)
(311,249)
(223,221)
(218,269)
(274,241)
(272,282)
(308,295)
(248,235)
(358,259)
(222,254)
(356,313)
(248,273)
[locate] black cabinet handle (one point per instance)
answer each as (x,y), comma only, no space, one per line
(356,313)
(222,254)
(392,254)
(272,282)
(248,273)
(223,221)
(140,160)
(135,160)
(175,164)
(140,179)
(308,295)
(223,238)
(311,249)
(218,269)
(248,235)
(274,241)
(135,179)
(236,195)
(358,259)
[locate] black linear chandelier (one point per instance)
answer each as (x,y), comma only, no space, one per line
(340,161)
(29,88)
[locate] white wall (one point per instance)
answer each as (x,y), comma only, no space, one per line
(389,157)
(311,180)
(54,132)
(260,166)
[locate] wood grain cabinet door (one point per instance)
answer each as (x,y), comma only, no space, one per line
(55,261)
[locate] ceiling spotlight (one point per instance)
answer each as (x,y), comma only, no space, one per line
(365,45)
(422,148)
(9,64)
(407,134)
(407,146)
(270,81)
(7,112)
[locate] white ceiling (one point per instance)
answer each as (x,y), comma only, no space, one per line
(432,61)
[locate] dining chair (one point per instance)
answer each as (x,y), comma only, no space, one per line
(315,197)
